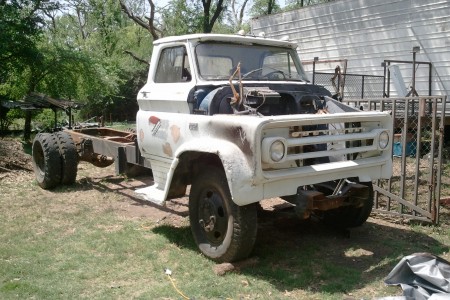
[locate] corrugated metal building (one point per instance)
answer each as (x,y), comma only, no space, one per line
(367,32)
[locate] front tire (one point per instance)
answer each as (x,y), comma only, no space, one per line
(46,160)
(223,231)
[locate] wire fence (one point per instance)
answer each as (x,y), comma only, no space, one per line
(351,86)
(414,190)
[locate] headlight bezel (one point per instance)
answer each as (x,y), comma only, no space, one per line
(274,150)
(383,140)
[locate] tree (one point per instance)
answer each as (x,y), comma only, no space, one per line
(212,10)
(264,7)
(97,32)
(19,31)
(295,4)
(181,17)
(238,9)
(149,23)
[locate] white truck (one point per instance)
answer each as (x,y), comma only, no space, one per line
(235,118)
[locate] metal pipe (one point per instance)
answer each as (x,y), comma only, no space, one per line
(362,88)
(314,69)
(389,81)
(431,178)
(403,164)
(437,193)
(383,64)
(414,74)
(418,151)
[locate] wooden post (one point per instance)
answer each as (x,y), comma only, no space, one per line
(27,129)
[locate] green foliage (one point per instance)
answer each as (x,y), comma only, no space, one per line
(19,31)
(44,119)
(182,17)
(86,52)
(5,119)
(296,4)
(264,7)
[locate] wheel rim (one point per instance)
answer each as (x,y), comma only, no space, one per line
(213,216)
(38,155)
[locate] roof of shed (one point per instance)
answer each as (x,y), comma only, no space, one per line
(34,101)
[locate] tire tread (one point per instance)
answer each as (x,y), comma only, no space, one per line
(51,172)
(69,157)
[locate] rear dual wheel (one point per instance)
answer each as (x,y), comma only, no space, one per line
(223,231)
(55,159)
(46,160)
(69,157)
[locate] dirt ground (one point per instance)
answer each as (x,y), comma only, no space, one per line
(12,157)
(16,166)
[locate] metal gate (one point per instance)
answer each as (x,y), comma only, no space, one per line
(351,86)
(414,190)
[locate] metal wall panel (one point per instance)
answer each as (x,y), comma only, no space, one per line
(366,32)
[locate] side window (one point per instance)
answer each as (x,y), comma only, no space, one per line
(173,66)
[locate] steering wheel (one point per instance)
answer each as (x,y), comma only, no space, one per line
(270,75)
(273,75)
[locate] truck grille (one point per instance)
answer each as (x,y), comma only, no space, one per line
(315,141)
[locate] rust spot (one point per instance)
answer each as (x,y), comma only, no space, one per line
(175,132)
(445,202)
(153,120)
(167,149)
(141,134)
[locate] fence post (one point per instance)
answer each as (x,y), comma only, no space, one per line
(314,69)
(362,87)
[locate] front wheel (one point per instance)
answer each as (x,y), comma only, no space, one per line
(223,231)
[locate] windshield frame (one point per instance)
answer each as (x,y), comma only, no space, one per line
(254,62)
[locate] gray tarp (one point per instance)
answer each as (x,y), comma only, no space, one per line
(422,276)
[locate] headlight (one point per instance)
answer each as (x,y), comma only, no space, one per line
(274,150)
(383,140)
(277,150)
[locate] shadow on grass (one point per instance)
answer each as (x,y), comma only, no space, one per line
(307,255)
(180,236)
(117,184)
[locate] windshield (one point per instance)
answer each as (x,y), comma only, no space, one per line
(217,61)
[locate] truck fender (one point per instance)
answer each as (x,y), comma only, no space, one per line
(238,170)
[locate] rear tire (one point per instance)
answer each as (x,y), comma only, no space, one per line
(46,160)
(69,157)
(223,231)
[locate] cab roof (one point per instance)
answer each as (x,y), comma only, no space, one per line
(226,38)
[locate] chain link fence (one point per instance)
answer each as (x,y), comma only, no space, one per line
(414,190)
(351,86)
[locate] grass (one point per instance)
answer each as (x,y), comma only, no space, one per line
(82,242)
